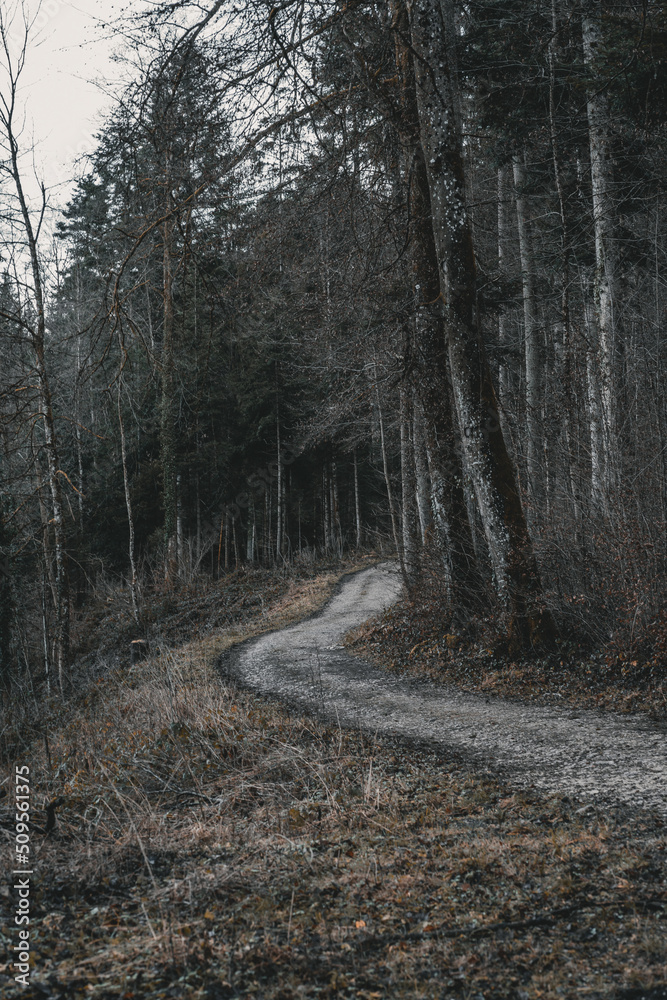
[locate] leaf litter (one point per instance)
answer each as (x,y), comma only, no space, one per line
(214,844)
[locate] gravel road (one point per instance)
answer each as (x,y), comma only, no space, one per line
(590,755)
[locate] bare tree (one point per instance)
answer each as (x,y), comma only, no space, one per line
(606,267)
(532,335)
(487,457)
(14,38)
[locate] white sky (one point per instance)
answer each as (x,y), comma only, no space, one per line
(62,94)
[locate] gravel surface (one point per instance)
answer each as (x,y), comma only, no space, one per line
(587,754)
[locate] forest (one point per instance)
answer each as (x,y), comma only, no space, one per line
(342,277)
(333,506)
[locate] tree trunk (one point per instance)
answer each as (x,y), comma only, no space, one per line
(390,494)
(299,524)
(128,508)
(180,537)
(167,401)
(199,555)
(44,519)
(427,356)
(515,569)
(503,326)
(326,503)
(357,504)
(598,493)
(279,502)
(237,558)
(226,544)
(268,554)
(37,338)
(336,528)
(408,488)
(45,636)
(532,338)
(77,402)
(562,336)
(422,484)
(251,543)
(602,181)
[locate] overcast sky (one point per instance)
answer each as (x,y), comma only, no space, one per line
(62,93)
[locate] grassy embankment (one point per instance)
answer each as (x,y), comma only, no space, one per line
(214,845)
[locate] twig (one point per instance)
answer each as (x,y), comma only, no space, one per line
(148,920)
(193,795)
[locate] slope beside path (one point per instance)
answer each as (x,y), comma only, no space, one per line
(578,752)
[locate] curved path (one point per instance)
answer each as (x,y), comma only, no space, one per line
(578,752)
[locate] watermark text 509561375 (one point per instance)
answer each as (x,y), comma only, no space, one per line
(22,872)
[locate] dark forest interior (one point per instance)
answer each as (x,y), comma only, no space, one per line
(375,276)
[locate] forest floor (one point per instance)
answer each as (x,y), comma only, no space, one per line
(555,748)
(411,640)
(214,843)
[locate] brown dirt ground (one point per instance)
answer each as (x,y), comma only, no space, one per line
(409,639)
(214,845)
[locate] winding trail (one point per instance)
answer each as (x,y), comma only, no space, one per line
(590,755)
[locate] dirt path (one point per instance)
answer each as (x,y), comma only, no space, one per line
(583,753)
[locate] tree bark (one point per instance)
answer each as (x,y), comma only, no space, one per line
(37,338)
(563,331)
(408,488)
(426,356)
(180,533)
(515,569)
(279,503)
(128,508)
(602,181)
(422,484)
(77,401)
(390,494)
(326,503)
(237,558)
(503,331)
(251,543)
(357,505)
(45,636)
(167,402)
(532,338)
(598,493)
(445,454)
(336,527)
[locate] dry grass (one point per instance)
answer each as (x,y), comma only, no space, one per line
(213,845)
(204,620)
